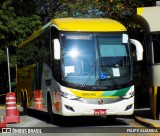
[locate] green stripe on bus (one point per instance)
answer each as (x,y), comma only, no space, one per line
(119,92)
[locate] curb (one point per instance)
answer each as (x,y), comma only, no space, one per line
(147,123)
(2,107)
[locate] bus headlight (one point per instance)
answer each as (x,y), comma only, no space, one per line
(129,94)
(69,96)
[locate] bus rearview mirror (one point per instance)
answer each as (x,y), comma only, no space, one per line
(56,48)
(139,49)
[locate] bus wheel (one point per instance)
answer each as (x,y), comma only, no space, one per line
(111,119)
(49,108)
(24,103)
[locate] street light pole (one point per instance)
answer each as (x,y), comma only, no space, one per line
(9,78)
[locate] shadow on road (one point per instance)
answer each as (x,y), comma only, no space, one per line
(77,121)
(144,113)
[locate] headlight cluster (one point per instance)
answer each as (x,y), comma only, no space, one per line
(129,94)
(69,96)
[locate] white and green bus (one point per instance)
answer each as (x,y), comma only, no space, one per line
(78,67)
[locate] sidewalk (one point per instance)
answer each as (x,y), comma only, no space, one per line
(143,116)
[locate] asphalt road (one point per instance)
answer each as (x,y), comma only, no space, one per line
(89,126)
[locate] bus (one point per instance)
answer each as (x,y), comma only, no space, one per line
(147,18)
(78,67)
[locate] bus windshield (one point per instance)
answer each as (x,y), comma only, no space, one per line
(95,59)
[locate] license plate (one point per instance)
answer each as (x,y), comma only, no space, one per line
(100,112)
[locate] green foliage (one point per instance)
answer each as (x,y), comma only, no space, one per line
(14,29)
(79,8)
(2,56)
(25,7)
(49,9)
(121,10)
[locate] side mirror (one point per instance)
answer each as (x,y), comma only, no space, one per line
(139,49)
(57,49)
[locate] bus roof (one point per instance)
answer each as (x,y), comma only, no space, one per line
(88,25)
(80,25)
(148,18)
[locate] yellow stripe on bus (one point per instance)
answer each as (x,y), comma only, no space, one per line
(89,94)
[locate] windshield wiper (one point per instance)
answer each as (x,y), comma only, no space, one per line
(90,73)
(107,72)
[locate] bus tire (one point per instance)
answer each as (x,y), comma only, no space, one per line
(24,103)
(49,108)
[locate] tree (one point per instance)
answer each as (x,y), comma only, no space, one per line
(121,10)
(25,7)
(49,9)
(79,8)
(13,30)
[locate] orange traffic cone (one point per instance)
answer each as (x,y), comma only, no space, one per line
(2,124)
(38,99)
(12,114)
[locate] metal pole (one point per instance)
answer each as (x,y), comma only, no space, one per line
(8,71)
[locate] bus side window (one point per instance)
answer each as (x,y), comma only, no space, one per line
(55,63)
(156,47)
(44,45)
(54,35)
